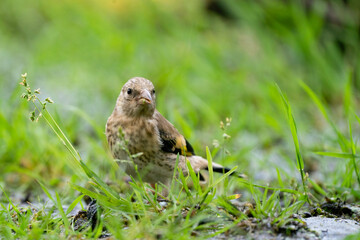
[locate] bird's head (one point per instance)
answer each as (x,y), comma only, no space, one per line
(137,98)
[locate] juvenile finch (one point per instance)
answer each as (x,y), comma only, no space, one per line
(137,133)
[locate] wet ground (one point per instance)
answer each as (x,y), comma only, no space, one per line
(319,228)
(310,226)
(333,219)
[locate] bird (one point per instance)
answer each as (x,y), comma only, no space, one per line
(144,142)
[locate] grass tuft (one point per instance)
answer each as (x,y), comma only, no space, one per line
(299,159)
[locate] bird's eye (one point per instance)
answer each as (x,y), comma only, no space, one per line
(153,91)
(129,91)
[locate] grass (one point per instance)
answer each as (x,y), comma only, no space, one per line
(207,70)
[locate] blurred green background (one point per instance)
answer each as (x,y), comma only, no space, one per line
(208,60)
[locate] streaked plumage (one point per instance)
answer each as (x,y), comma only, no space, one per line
(144,130)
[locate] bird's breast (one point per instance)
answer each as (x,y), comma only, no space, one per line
(137,136)
(143,136)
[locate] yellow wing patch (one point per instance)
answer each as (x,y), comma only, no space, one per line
(181,144)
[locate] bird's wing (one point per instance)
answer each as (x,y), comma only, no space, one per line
(172,140)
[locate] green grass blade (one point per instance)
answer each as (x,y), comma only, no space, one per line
(194,177)
(357,117)
(62,137)
(46,192)
(246,182)
(264,195)
(60,133)
(9,200)
(353,151)
(281,184)
(341,139)
(269,204)
(293,129)
(142,207)
(223,176)
(61,211)
(210,167)
(58,204)
(338,155)
(184,183)
(317,188)
(106,201)
(74,203)
(92,175)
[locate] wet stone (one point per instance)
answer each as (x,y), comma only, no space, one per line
(332,228)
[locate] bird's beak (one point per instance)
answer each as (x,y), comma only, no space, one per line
(145,96)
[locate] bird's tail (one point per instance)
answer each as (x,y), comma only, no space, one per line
(198,163)
(220,169)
